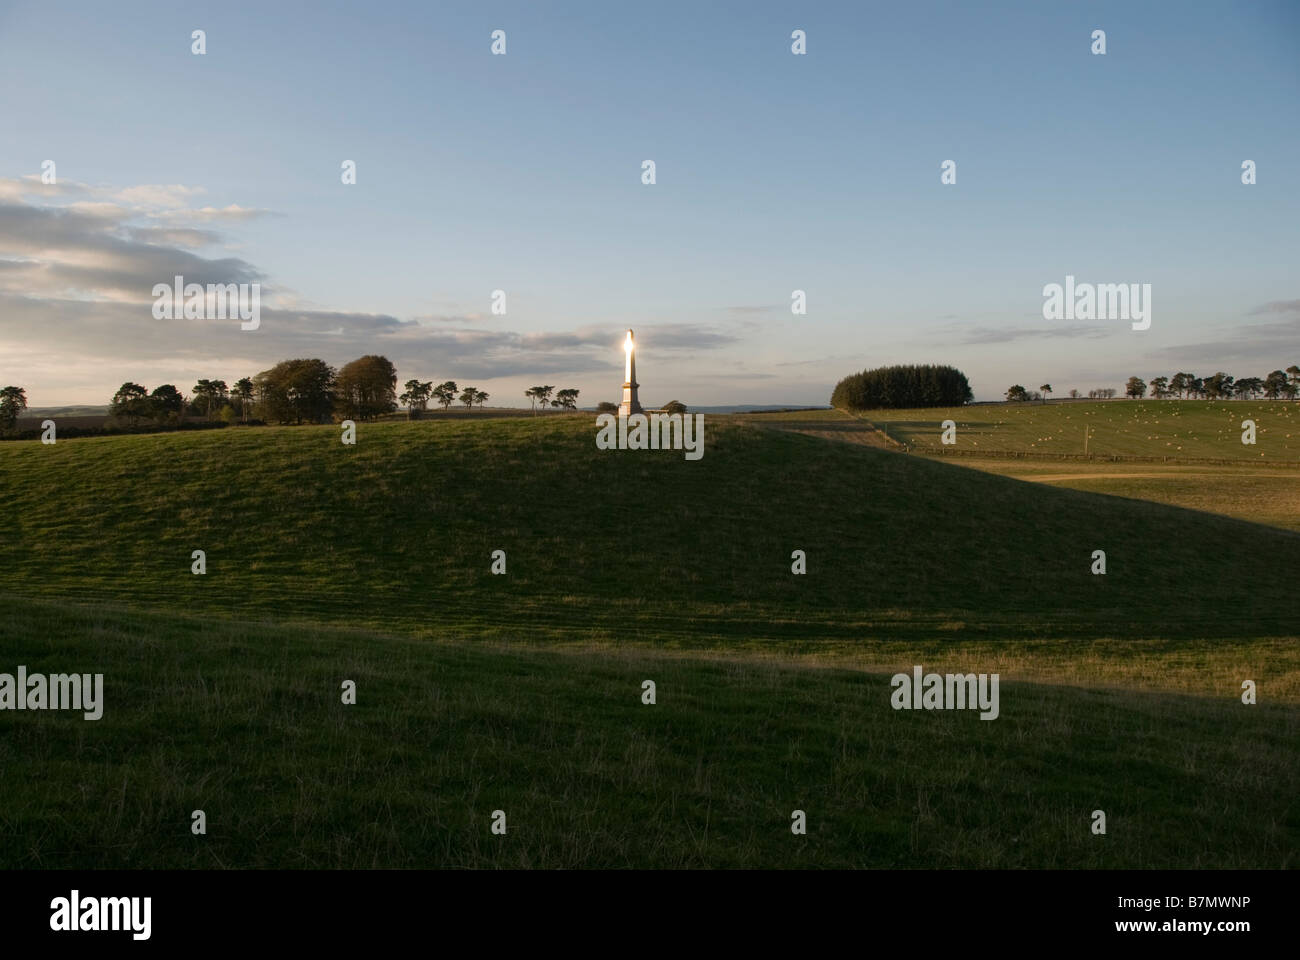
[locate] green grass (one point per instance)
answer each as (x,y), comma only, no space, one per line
(244,722)
(398,532)
(522,692)
(1143,428)
(1247,487)
(1262,495)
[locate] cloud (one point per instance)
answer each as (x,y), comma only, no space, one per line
(158,195)
(101,209)
(683,337)
(745,311)
(89,253)
(1273,345)
(77,274)
(122,337)
(174,236)
(169,202)
(805,363)
(450,318)
(13,189)
(1277,306)
(232,213)
(986,335)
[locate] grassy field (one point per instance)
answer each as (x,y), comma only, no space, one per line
(244,722)
(1239,484)
(522,692)
(1262,495)
(1181,429)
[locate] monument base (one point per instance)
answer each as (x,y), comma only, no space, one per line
(630,404)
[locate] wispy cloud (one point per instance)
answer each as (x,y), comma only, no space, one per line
(808,363)
(456,318)
(1275,344)
(986,335)
(1277,306)
(760,309)
(172,203)
(232,213)
(158,195)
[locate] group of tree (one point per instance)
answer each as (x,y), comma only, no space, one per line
(1018,394)
(1278,385)
(420,392)
(293,391)
(134,404)
(297,391)
(307,390)
(902,386)
(312,391)
(565,399)
(366,388)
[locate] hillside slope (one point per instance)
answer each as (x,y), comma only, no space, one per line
(398,531)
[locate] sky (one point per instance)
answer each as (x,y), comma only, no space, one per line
(775,172)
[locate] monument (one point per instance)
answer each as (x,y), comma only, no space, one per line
(630,404)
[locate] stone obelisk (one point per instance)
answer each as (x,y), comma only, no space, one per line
(630,404)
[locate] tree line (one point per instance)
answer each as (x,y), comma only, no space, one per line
(293,391)
(1278,385)
(420,392)
(304,390)
(296,391)
(902,386)
(565,399)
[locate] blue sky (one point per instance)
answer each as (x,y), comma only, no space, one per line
(522,172)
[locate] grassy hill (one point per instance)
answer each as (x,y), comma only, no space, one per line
(522,692)
(398,532)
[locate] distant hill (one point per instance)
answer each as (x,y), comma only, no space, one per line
(753,408)
(743,408)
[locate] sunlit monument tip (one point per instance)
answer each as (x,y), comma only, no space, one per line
(630,404)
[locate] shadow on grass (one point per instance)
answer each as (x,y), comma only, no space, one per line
(245,722)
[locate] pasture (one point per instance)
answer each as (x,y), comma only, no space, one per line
(523,691)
